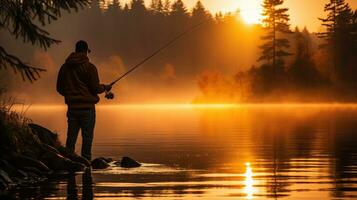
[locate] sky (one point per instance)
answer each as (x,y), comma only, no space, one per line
(303,12)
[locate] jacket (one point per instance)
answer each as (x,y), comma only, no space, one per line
(78,82)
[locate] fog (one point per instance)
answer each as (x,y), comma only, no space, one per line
(216,62)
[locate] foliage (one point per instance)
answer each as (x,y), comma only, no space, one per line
(340,38)
(276,21)
(303,73)
(272,73)
(15,133)
(21,19)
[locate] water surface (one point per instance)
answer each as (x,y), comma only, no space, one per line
(217,152)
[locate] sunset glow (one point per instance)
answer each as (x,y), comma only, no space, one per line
(251,11)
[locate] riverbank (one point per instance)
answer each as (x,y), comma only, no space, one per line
(30,153)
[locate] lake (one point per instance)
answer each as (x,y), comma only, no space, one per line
(214,152)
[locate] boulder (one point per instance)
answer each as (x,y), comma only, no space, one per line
(46,147)
(3,186)
(73,156)
(57,162)
(5,177)
(127,162)
(99,163)
(34,170)
(108,160)
(24,161)
(46,136)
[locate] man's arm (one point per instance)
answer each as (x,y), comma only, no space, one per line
(93,81)
(59,85)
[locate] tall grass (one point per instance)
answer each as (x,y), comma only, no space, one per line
(15,134)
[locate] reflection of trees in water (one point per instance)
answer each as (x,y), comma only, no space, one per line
(286,136)
(344,151)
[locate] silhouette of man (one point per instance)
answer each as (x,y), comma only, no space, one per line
(78,82)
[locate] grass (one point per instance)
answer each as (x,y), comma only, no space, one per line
(15,134)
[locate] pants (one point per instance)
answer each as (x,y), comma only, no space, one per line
(83,119)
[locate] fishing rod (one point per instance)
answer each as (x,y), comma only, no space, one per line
(110,95)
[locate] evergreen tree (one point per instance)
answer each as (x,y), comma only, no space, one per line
(21,19)
(157,6)
(178,9)
(199,13)
(276,23)
(340,37)
(167,7)
(138,7)
(303,73)
(114,6)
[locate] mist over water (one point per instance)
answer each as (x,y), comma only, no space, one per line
(221,152)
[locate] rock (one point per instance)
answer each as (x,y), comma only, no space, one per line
(46,147)
(24,161)
(33,170)
(46,136)
(5,177)
(99,163)
(57,162)
(127,162)
(3,186)
(73,156)
(108,160)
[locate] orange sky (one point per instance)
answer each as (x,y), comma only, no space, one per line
(303,12)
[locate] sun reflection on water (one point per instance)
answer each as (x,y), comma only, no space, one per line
(249,182)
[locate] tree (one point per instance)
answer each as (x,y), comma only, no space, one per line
(138,7)
(276,23)
(178,9)
(340,37)
(303,73)
(21,19)
(114,7)
(199,13)
(157,6)
(167,7)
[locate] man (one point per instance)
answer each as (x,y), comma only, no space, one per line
(78,82)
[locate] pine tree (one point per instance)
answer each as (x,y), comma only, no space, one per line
(178,9)
(157,6)
(340,37)
(114,7)
(303,73)
(138,7)
(199,12)
(276,22)
(167,7)
(21,19)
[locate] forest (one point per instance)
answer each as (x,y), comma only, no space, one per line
(225,59)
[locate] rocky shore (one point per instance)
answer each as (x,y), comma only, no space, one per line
(34,154)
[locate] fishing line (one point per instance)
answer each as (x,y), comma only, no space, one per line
(110,95)
(157,52)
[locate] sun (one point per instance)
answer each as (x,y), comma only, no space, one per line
(251,11)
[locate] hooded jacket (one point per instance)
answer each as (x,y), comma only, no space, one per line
(78,82)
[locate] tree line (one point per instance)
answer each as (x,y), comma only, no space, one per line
(231,61)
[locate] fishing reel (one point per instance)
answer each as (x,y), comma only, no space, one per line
(109,95)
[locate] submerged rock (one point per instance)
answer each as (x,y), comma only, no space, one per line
(100,163)
(127,162)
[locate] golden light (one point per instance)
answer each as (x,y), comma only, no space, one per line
(251,11)
(249,182)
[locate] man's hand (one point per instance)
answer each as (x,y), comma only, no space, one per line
(107,87)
